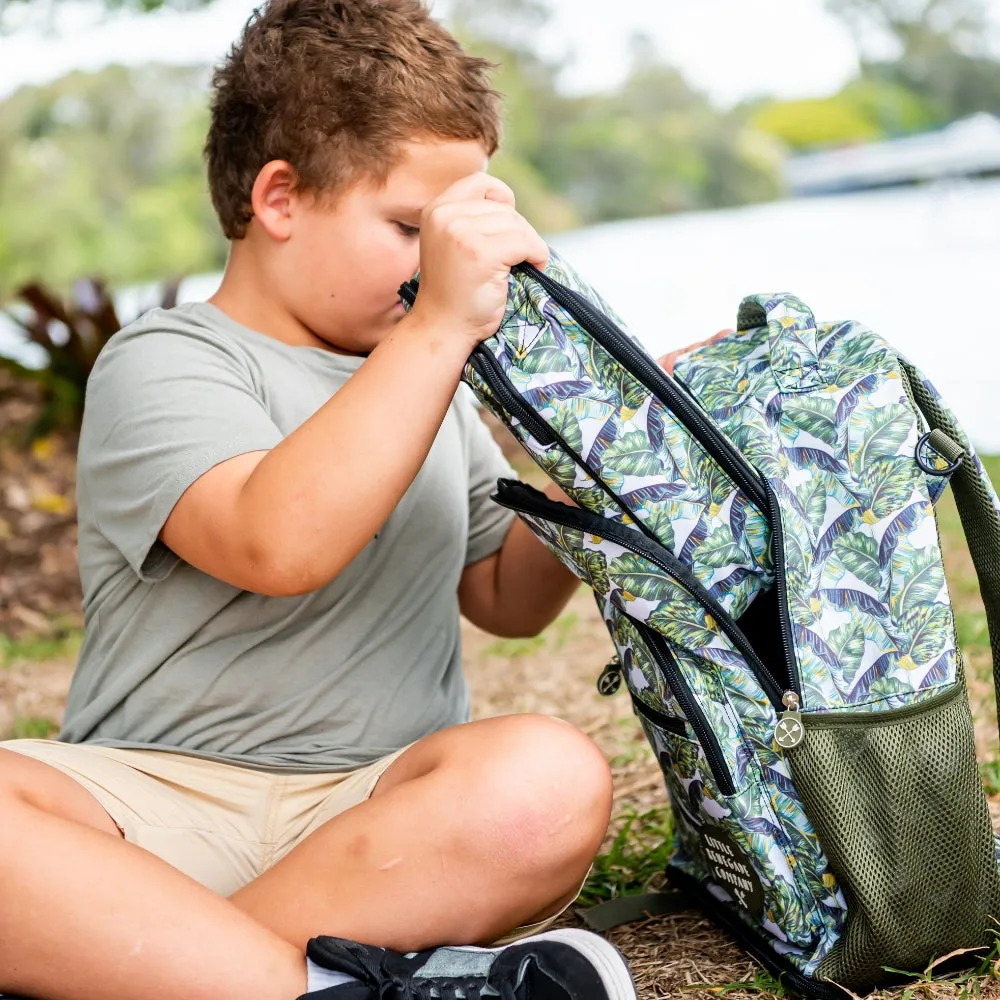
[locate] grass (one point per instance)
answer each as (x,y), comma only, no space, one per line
(677,955)
(762,983)
(61,642)
(637,858)
(33,728)
(985,975)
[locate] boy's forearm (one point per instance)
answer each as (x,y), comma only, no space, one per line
(315,500)
(527,587)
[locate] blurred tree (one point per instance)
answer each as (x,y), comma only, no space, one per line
(649,147)
(16,13)
(654,146)
(71,331)
(101,173)
(866,109)
(910,22)
(501,31)
(942,54)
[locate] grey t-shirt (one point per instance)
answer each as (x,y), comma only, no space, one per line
(175,659)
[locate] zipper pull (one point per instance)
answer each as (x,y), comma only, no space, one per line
(611,678)
(789,732)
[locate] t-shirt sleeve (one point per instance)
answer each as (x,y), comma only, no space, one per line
(488,521)
(163,406)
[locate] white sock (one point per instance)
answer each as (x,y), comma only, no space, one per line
(318,978)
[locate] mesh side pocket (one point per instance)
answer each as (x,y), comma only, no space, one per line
(896,801)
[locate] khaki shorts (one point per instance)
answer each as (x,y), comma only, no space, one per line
(221,824)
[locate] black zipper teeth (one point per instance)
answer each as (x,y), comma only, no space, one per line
(553,436)
(496,378)
(689,706)
(781,585)
(408,292)
(668,722)
(614,341)
(537,503)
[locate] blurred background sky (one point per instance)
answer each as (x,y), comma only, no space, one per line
(731,49)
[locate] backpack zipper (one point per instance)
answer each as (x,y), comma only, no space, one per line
(408,291)
(521,497)
(683,405)
(669,723)
(772,512)
(619,346)
(654,378)
(489,370)
(709,742)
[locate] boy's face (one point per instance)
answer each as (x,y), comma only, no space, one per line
(343,261)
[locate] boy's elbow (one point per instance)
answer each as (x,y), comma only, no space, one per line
(279,573)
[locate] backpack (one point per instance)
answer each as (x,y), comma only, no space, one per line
(760,537)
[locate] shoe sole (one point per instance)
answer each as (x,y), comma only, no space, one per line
(602,955)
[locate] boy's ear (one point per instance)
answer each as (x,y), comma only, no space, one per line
(273,196)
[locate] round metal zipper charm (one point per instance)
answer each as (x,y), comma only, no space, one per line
(789,732)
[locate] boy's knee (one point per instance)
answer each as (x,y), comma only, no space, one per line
(545,793)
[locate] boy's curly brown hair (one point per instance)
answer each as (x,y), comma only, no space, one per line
(333,87)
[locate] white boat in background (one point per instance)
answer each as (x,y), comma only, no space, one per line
(969,147)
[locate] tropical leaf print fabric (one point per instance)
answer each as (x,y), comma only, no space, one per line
(868,600)
(803,908)
(653,471)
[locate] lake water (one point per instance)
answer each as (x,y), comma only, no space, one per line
(919,265)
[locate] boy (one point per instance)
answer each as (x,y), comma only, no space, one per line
(283,507)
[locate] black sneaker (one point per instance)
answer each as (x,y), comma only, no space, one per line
(557,965)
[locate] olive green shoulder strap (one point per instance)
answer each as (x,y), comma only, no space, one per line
(974,497)
(625,909)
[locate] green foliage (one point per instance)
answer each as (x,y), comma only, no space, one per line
(62,643)
(981,972)
(761,982)
(989,772)
(943,62)
(509,649)
(653,146)
(72,332)
(636,860)
(970,618)
(941,72)
(34,728)
(869,108)
(101,173)
(821,121)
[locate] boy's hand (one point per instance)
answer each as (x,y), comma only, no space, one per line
(470,237)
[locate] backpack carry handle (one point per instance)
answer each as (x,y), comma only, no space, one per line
(794,349)
(975,499)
